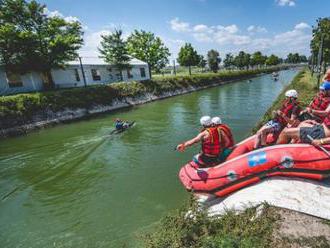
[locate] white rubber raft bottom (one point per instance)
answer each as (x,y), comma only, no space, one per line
(305,196)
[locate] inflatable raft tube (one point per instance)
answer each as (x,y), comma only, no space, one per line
(293,160)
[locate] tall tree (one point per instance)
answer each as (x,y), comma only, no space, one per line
(272,60)
(257,59)
(188,56)
(228,62)
(202,62)
(322,29)
(114,51)
(30,40)
(247,60)
(240,60)
(213,59)
(149,48)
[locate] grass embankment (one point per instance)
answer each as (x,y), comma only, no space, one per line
(20,109)
(190,227)
(306,88)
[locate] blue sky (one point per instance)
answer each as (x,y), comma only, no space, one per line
(272,26)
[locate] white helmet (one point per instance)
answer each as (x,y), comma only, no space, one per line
(206,121)
(291,93)
(216,120)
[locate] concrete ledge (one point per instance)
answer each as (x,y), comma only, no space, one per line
(305,196)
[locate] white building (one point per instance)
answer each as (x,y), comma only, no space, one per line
(92,71)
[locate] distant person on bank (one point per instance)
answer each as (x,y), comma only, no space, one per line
(216,139)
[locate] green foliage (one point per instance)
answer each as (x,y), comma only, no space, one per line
(188,56)
(321,29)
(295,58)
(32,41)
(242,60)
(258,59)
(202,62)
(190,226)
(213,59)
(228,62)
(272,60)
(149,48)
(114,51)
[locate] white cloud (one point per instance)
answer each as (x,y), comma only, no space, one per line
(231,39)
(290,3)
(256,29)
(202,37)
(179,26)
(302,25)
(59,14)
(201,28)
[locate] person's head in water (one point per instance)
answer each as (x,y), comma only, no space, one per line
(216,121)
(206,121)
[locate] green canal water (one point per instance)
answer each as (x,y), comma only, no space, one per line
(75,186)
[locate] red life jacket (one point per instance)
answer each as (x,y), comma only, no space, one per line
(320,102)
(287,108)
(211,146)
(224,129)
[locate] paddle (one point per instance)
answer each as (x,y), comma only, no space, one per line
(319,146)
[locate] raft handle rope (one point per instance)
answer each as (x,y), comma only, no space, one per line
(319,146)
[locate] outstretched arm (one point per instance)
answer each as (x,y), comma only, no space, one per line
(188,143)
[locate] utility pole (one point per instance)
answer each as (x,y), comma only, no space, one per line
(319,61)
(174,67)
(82,71)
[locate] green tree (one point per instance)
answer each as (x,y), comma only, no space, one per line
(228,62)
(321,29)
(202,62)
(272,60)
(32,41)
(213,60)
(114,51)
(258,59)
(247,60)
(240,60)
(149,48)
(188,56)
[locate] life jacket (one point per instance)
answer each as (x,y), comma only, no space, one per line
(320,102)
(287,108)
(211,146)
(224,129)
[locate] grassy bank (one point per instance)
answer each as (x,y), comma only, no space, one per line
(250,228)
(306,87)
(20,109)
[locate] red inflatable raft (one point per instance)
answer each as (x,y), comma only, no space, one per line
(292,160)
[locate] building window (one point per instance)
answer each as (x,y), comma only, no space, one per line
(96,75)
(143,72)
(14,79)
(129,75)
(76,74)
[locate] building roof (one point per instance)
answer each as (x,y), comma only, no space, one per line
(100,61)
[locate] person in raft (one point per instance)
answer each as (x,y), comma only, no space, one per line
(215,138)
(120,124)
(287,115)
(320,133)
(317,109)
